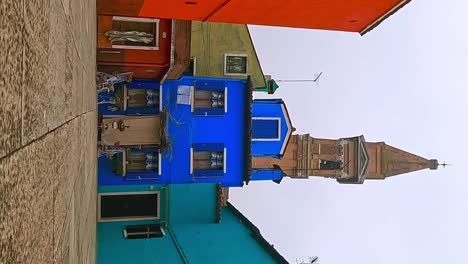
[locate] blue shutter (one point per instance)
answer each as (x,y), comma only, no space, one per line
(143,111)
(208,173)
(264,129)
(218,147)
(209,112)
(140,176)
(143,84)
(209,85)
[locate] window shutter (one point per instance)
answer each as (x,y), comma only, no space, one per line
(209,85)
(208,173)
(209,112)
(218,147)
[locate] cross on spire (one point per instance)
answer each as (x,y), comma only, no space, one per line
(444,164)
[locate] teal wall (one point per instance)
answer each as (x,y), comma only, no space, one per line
(192,234)
(113,248)
(192,203)
(228,242)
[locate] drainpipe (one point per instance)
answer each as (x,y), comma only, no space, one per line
(179,248)
(168,228)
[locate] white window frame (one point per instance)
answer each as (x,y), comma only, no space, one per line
(124,158)
(279,129)
(237,55)
(119,219)
(192,99)
(194,66)
(141,20)
(224,161)
(225,99)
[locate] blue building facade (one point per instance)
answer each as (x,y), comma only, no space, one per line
(203,130)
(156,140)
(183,223)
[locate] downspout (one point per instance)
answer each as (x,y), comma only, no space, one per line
(168,228)
(179,248)
(173,29)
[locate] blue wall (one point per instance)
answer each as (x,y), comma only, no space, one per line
(183,129)
(269,108)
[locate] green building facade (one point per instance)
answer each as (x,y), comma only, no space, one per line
(227,51)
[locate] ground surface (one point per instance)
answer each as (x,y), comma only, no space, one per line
(47,131)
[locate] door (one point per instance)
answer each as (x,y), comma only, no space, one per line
(131,131)
(128,206)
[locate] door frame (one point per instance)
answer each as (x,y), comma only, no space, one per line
(119,219)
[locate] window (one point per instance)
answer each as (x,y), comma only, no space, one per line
(128,206)
(141,161)
(235,64)
(207,160)
(142,98)
(330,165)
(209,98)
(143,231)
(266,129)
(145,160)
(134,33)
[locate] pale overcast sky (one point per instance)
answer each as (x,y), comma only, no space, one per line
(404,83)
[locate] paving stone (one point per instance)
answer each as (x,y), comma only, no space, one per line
(36,18)
(59,75)
(48,179)
(66,149)
(62,242)
(35,99)
(28,207)
(11,74)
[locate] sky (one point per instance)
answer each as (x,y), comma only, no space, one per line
(404,83)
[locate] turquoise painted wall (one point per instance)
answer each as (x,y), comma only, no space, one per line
(192,234)
(113,248)
(228,242)
(192,203)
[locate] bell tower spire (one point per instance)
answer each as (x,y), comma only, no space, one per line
(393,161)
(348,160)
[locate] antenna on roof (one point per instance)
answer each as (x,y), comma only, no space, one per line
(315,80)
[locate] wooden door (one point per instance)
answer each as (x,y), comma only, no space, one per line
(131,131)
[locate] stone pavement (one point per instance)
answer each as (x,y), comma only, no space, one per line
(47,131)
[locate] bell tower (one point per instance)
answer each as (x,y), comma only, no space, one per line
(348,160)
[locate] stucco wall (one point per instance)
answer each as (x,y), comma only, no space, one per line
(211,41)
